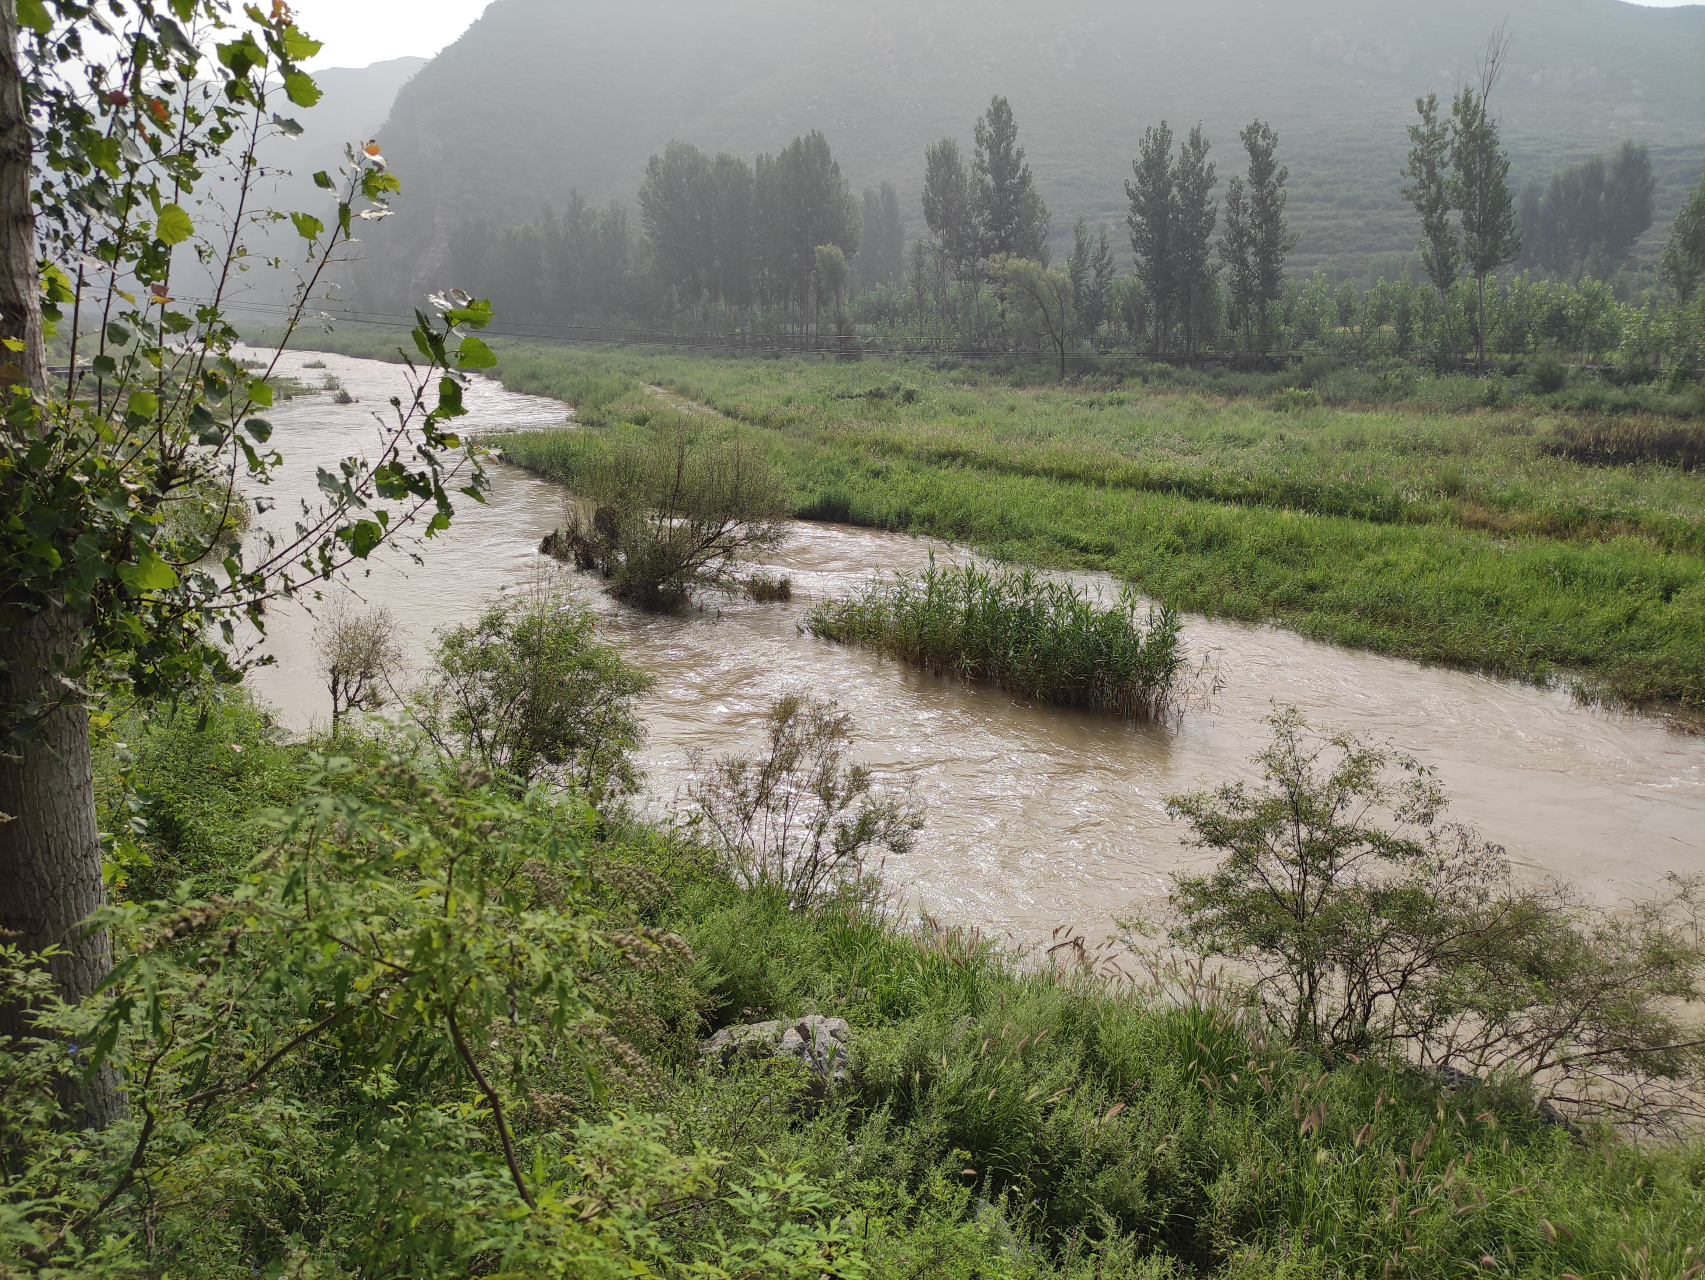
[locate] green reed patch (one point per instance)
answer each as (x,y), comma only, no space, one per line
(1037,638)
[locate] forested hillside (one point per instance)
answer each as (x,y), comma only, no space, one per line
(541,98)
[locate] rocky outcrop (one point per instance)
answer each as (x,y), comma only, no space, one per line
(819,1044)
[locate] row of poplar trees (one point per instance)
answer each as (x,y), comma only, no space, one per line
(990,208)
(778,233)
(1458,180)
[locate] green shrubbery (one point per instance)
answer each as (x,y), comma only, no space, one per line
(402,923)
(526,690)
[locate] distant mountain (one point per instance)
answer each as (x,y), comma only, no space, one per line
(354,104)
(543,97)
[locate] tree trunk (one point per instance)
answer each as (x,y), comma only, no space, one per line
(50,847)
(20,294)
(1480,329)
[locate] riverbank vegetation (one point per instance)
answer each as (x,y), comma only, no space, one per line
(470,1017)
(1423,524)
(668,514)
(1039,639)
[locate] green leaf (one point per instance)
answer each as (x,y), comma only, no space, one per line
(242,55)
(149,573)
(376,182)
(56,285)
(259,428)
(172,36)
(299,47)
(203,423)
(33,14)
(117,334)
(307,226)
(476,315)
(103,153)
(174,226)
(104,366)
(144,404)
(323,180)
(362,537)
(300,88)
(474,354)
(260,393)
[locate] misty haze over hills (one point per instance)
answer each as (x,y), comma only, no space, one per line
(540,98)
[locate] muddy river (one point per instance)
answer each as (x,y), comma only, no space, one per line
(1035,817)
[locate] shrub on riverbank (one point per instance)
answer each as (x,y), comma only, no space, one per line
(672,513)
(1040,639)
(526,690)
(1004,1117)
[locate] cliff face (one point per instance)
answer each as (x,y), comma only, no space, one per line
(543,97)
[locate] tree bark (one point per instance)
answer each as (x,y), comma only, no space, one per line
(20,291)
(1480,329)
(50,846)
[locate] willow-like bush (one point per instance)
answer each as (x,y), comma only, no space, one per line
(1039,639)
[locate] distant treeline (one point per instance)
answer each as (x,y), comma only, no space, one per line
(782,244)
(1586,219)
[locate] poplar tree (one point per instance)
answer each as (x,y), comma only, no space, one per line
(1256,243)
(1479,184)
(1237,252)
(948,207)
(803,202)
(881,256)
(1270,243)
(1102,269)
(1194,217)
(1078,269)
(153,417)
(676,200)
(1428,189)
(1010,214)
(1683,261)
(1150,221)
(733,251)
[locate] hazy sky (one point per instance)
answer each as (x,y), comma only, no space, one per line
(357,32)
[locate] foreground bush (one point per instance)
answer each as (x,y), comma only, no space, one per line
(798,819)
(375,1011)
(1037,638)
(1372,927)
(527,690)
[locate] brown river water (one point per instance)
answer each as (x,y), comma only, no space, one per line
(1035,817)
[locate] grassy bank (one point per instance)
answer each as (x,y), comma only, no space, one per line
(1464,537)
(1000,1118)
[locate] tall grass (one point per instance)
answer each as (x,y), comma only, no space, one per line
(1039,639)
